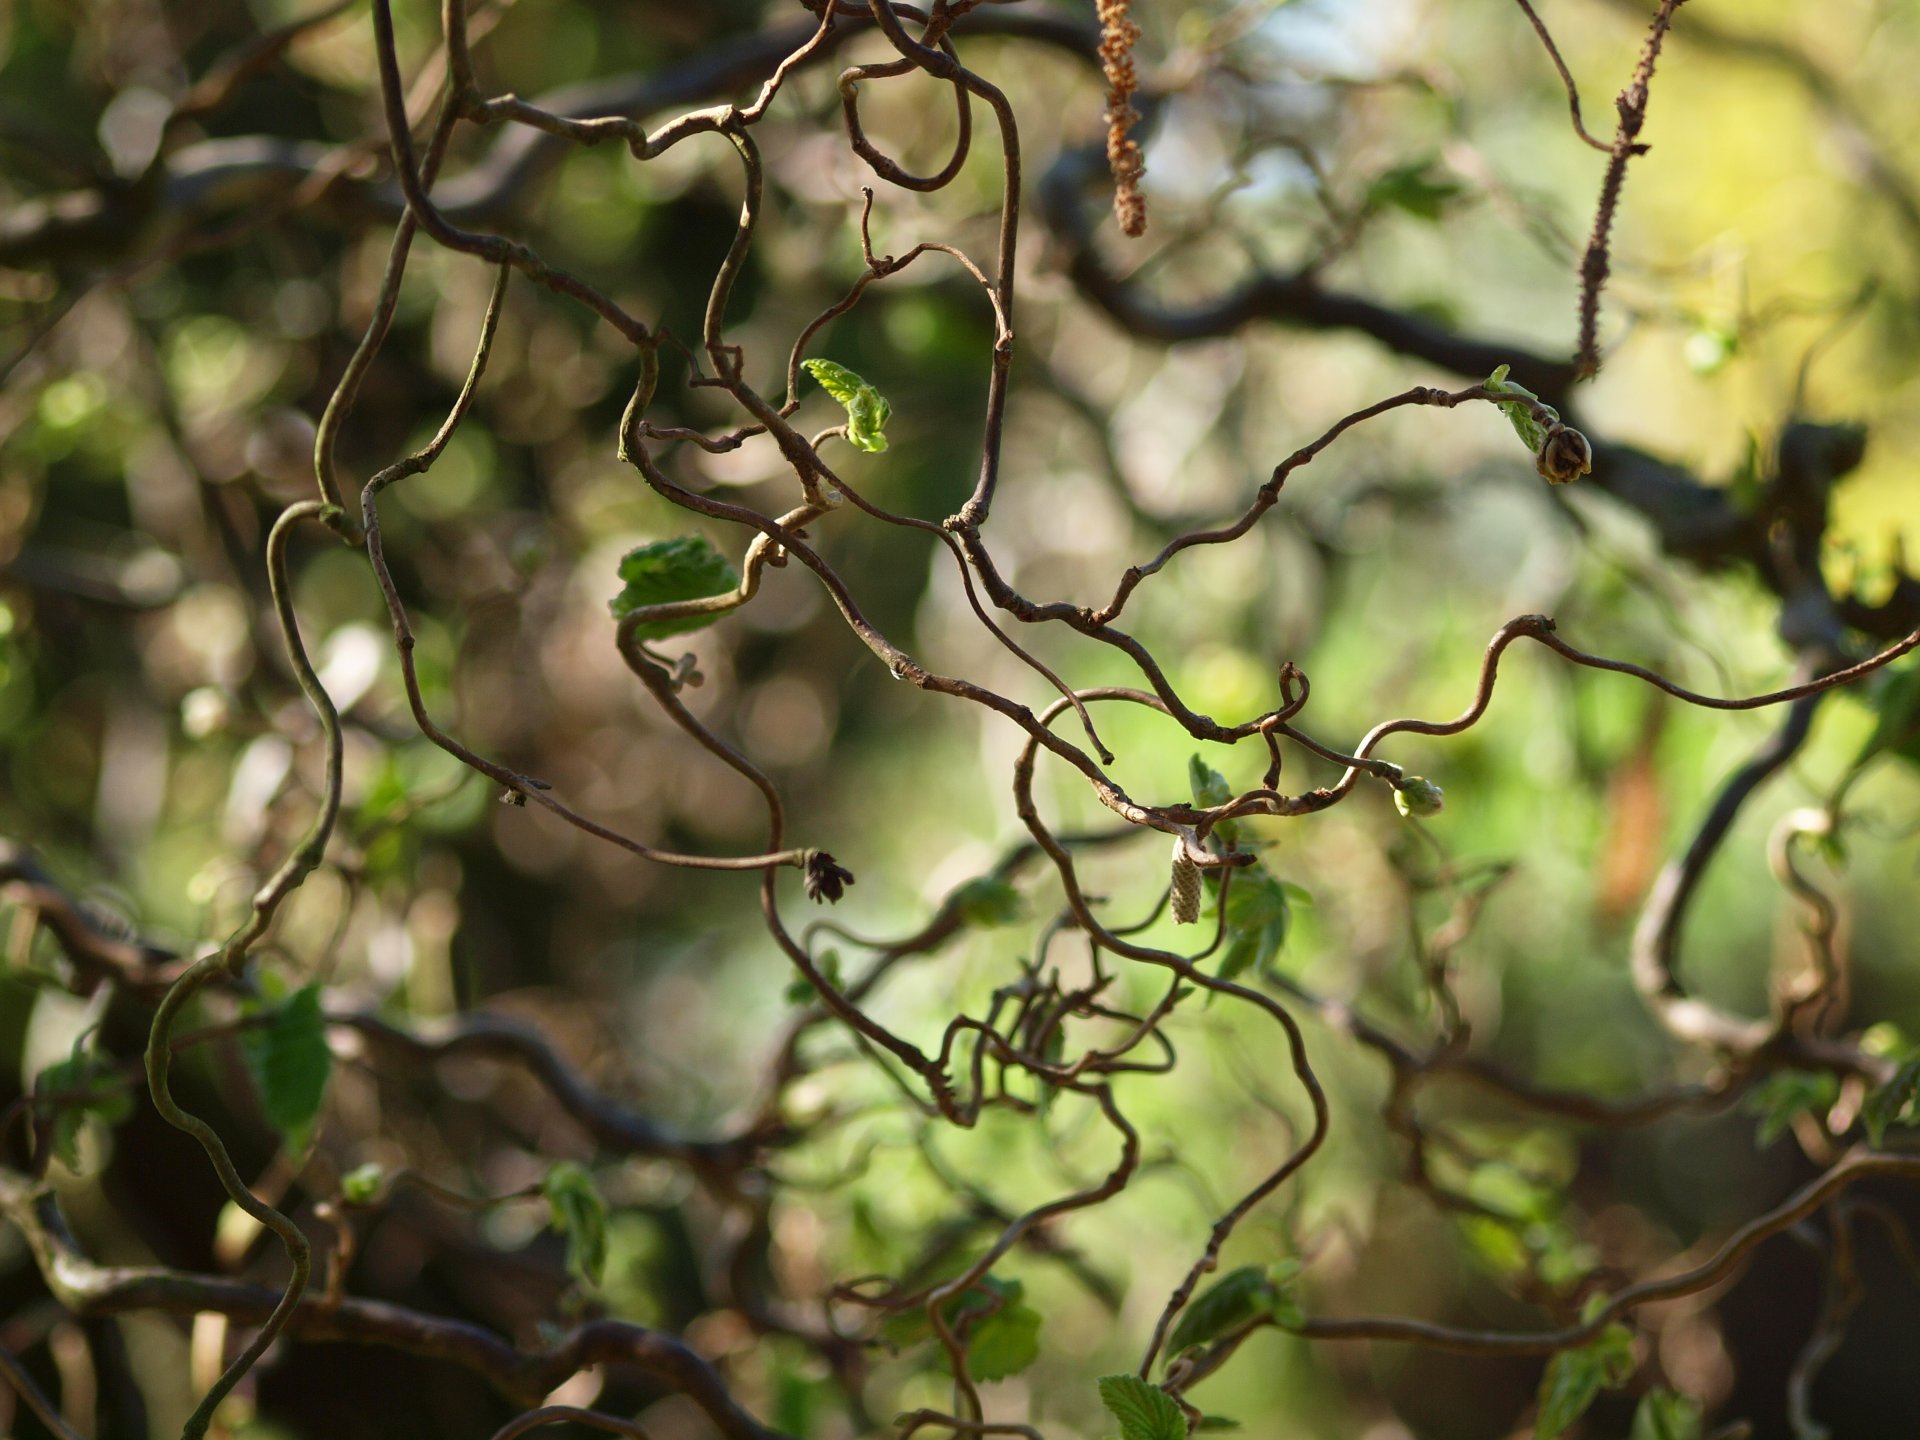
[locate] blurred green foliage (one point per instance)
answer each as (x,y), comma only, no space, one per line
(161,394)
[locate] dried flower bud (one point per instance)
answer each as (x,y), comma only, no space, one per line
(1417,797)
(1564,455)
(1186,884)
(825,880)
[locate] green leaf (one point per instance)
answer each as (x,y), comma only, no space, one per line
(1531,432)
(579,1214)
(84,1087)
(1895,699)
(361,1186)
(1145,1412)
(1415,189)
(1893,1102)
(290,1063)
(1259,915)
(800,989)
(684,568)
(988,900)
(1209,786)
(1250,1295)
(1663,1415)
(1213,1423)
(1781,1098)
(867,409)
(1575,1378)
(1005,1343)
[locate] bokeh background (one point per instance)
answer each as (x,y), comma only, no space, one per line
(165,372)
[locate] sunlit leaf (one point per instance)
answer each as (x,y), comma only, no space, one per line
(684,568)
(580,1214)
(1531,432)
(1145,1412)
(361,1185)
(1663,1415)
(867,409)
(1575,1378)
(1892,1103)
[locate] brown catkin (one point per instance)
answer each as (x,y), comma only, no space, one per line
(1118,35)
(1186,884)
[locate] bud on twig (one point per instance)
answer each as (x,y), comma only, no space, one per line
(1417,797)
(1564,455)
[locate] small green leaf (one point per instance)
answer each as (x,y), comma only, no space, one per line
(684,568)
(290,1063)
(579,1214)
(362,1185)
(1005,1343)
(1575,1378)
(1415,189)
(1258,918)
(1247,1296)
(1781,1098)
(800,989)
(1708,349)
(1531,432)
(1145,1412)
(1210,1424)
(83,1087)
(1209,786)
(1892,1103)
(1895,698)
(867,409)
(988,900)
(1663,1415)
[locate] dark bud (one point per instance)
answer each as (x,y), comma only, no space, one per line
(1564,455)
(826,880)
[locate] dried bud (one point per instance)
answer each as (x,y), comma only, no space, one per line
(1417,797)
(826,880)
(1564,455)
(1186,884)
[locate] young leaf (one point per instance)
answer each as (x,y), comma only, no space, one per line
(800,989)
(1414,189)
(1209,786)
(81,1087)
(1663,1415)
(1240,1298)
(579,1214)
(290,1063)
(987,900)
(1892,1103)
(1005,1343)
(1145,1412)
(867,409)
(1258,917)
(1781,1098)
(1531,432)
(684,568)
(1575,1378)
(362,1185)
